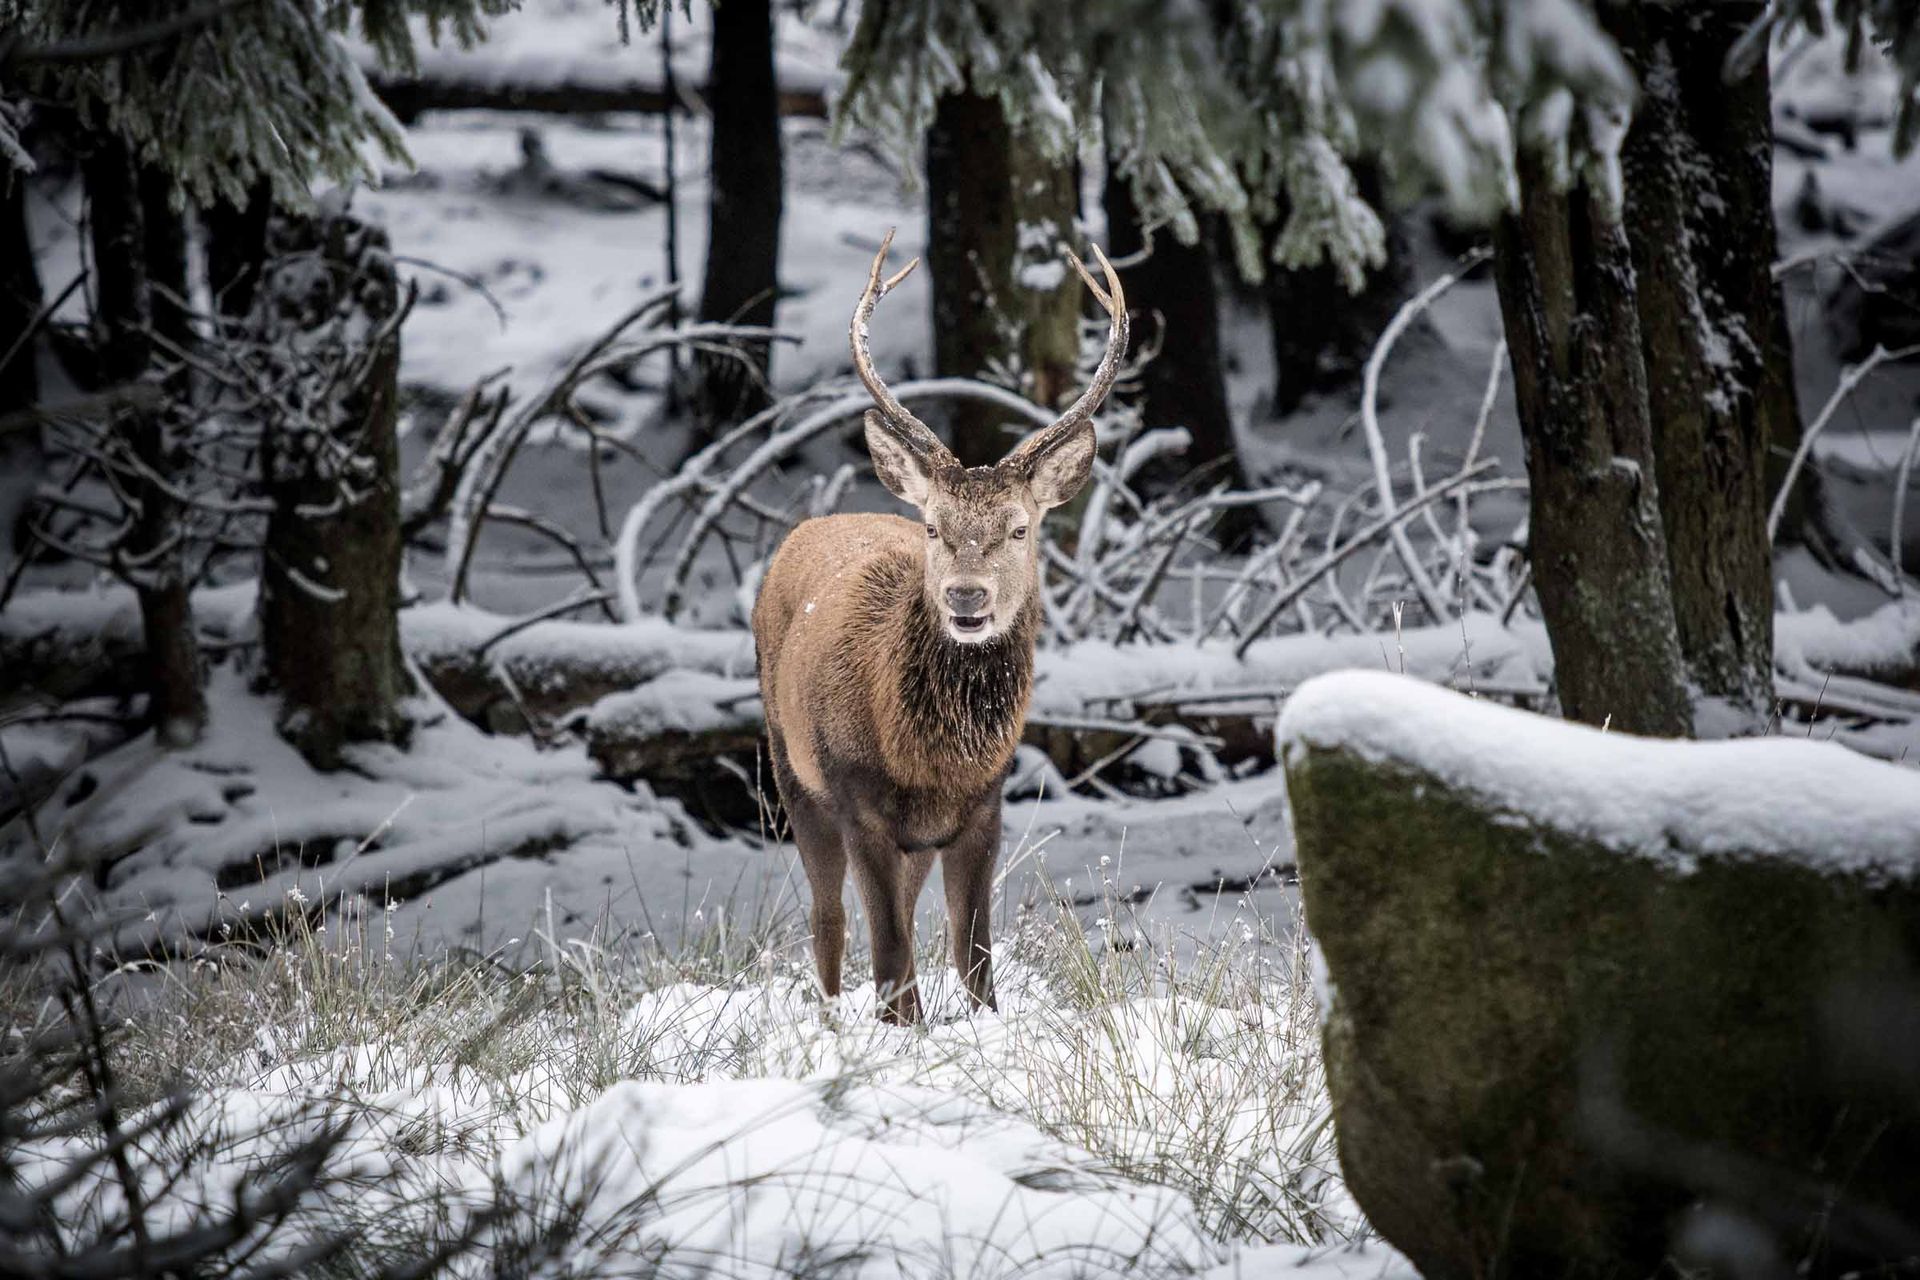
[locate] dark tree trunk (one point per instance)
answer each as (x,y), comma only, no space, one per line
(1183,385)
(149,555)
(743,214)
(1322,332)
(330,577)
(236,249)
(21,457)
(1699,179)
(20,298)
(1598,550)
(983,185)
(165,235)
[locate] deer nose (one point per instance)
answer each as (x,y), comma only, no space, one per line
(967,602)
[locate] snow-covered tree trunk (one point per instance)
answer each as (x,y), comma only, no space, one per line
(1597,546)
(743,212)
(1321,330)
(997,211)
(149,554)
(330,573)
(1699,180)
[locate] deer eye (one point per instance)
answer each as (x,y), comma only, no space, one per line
(933,532)
(1019,532)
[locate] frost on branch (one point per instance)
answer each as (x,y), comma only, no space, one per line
(1254,109)
(255,92)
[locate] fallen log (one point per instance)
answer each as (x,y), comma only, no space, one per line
(408,96)
(1094,702)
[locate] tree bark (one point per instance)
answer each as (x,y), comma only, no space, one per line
(149,555)
(21,456)
(1003,299)
(330,576)
(1174,283)
(742,282)
(1184,384)
(1699,180)
(1321,332)
(20,297)
(237,249)
(1597,546)
(164,233)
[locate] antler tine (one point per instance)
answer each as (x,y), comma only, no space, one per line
(1114,299)
(892,412)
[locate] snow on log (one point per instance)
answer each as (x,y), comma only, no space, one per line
(553,667)
(1590,998)
(1884,645)
(1090,699)
(673,723)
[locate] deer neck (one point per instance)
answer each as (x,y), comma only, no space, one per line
(964,705)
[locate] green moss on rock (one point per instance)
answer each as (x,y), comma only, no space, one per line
(1547,1058)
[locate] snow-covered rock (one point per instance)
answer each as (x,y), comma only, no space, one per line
(1594,998)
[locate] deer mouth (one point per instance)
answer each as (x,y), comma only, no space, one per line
(968,627)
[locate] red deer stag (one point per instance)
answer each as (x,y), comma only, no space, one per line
(896,665)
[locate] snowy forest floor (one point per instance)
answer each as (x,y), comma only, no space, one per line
(701,1111)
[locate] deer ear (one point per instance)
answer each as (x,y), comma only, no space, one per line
(906,473)
(1056,475)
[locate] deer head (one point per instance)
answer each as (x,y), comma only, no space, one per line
(983,546)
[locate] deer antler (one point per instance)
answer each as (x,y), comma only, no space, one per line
(1114,299)
(911,431)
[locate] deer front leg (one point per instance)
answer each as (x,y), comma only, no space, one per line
(824,856)
(966,872)
(878,868)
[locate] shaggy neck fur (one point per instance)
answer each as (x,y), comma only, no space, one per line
(947,716)
(966,702)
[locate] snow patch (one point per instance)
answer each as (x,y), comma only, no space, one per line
(1817,804)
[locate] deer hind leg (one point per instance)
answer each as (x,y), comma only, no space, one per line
(881,873)
(966,872)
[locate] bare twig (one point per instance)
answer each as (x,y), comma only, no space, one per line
(1383,524)
(1850,378)
(1370,423)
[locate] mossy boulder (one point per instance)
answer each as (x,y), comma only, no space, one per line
(1601,1006)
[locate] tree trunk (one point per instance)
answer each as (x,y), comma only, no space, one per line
(330,577)
(1321,332)
(20,297)
(149,554)
(1003,299)
(164,233)
(1183,385)
(743,213)
(237,249)
(1596,542)
(20,302)
(1699,180)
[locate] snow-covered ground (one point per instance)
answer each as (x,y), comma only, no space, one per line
(705,1112)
